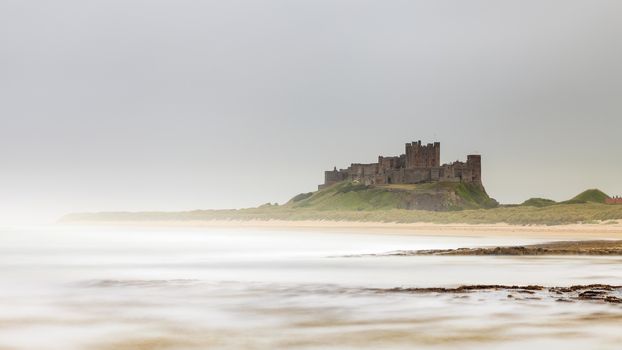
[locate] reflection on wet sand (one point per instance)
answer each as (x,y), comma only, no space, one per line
(318,316)
(266,290)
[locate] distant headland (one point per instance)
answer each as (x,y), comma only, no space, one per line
(410,188)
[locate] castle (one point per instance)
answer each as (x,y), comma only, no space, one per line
(421,163)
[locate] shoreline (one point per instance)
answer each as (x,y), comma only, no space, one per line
(572,231)
(556,248)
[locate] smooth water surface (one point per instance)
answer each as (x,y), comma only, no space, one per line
(228,288)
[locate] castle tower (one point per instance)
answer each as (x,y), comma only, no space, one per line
(423,156)
(474,162)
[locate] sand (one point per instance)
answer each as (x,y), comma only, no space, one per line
(557,232)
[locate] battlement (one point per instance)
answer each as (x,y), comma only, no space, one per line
(420,163)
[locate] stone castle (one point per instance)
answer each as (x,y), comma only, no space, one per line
(421,163)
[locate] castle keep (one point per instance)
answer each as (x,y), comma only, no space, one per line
(420,163)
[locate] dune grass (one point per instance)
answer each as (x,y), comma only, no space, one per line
(539,202)
(589,196)
(350,201)
(519,215)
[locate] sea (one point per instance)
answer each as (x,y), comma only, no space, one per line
(72,287)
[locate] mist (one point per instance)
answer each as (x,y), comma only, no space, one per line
(180,105)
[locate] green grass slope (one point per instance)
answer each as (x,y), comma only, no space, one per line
(394,203)
(516,215)
(429,196)
(538,202)
(589,196)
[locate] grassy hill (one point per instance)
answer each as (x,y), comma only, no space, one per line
(450,203)
(538,202)
(440,196)
(589,196)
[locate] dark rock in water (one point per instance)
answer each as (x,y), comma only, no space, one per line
(604,248)
(594,292)
(612,299)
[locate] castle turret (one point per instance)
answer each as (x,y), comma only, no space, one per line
(474,163)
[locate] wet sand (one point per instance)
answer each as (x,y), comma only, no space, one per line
(199,287)
(471,317)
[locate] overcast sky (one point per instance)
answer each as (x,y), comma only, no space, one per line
(179,104)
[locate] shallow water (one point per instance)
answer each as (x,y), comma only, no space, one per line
(77,288)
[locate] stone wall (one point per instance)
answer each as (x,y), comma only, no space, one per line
(332,177)
(420,163)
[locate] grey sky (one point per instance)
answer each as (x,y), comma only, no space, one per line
(168,105)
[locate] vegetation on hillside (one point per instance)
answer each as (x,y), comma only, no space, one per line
(429,196)
(356,202)
(589,196)
(519,215)
(538,202)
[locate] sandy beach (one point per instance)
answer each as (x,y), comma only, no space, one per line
(556,232)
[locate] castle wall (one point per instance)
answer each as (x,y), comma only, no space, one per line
(420,163)
(363,170)
(332,177)
(392,176)
(390,163)
(417,175)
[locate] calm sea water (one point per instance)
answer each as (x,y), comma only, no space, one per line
(111,288)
